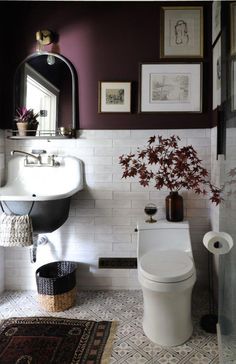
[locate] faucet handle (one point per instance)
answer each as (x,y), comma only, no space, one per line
(52,161)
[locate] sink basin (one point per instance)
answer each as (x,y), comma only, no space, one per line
(45,191)
(42,183)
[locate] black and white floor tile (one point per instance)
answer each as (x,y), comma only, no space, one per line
(131,346)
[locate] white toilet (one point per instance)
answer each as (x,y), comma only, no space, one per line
(167,275)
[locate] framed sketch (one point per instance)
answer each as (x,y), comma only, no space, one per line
(216,19)
(233,28)
(114,97)
(182,31)
(233,85)
(171,87)
(217,74)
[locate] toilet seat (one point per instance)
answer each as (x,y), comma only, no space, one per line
(166,266)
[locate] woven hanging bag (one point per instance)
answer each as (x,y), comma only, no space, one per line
(15,230)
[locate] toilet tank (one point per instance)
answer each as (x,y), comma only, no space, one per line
(163,235)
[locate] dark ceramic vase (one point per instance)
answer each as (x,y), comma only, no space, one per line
(174,207)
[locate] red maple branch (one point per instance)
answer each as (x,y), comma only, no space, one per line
(169,165)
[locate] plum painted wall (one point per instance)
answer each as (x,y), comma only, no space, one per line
(104,41)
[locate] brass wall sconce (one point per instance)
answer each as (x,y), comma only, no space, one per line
(44,37)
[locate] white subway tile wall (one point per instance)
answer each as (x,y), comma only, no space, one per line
(103,216)
(2,280)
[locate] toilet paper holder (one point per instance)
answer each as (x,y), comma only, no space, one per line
(218,243)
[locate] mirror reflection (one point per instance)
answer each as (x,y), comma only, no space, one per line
(43,82)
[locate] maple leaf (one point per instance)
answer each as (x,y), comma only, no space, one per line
(142,154)
(143,183)
(133,172)
(232,172)
(152,139)
(216,200)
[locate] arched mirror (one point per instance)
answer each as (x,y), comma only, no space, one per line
(46,83)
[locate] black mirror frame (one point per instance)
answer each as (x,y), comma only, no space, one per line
(73,78)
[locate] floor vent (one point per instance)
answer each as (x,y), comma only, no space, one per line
(117,263)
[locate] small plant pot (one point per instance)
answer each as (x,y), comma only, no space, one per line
(32,130)
(22,128)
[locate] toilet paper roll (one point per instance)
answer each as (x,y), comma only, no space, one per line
(218,243)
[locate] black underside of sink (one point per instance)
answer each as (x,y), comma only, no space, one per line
(47,216)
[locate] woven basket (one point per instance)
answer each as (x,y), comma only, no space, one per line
(59,302)
(56,285)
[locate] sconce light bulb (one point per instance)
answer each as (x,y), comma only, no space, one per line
(50,60)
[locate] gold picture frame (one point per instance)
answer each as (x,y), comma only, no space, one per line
(233,85)
(216,60)
(233,29)
(181,32)
(114,97)
(216,20)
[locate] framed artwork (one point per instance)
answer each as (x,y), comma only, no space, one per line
(171,87)
(217,74)
(114,97)
(233,85)
(233,28)
(182,32)
(216,19)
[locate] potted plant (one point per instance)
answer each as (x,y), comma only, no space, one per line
(166,164)
(26,121)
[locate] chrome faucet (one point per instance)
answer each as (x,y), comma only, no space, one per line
(36,154)
(37,157)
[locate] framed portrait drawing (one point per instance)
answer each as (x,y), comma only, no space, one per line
(216,19)
(171,87)
(233,28)
(233,85)
(114,97)
(217,74)
(182,32)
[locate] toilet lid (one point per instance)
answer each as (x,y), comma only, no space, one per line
(166,266)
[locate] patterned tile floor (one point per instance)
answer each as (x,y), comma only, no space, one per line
(130,346)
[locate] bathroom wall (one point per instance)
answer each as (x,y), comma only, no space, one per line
(103,215)
(2,175)
(105,41)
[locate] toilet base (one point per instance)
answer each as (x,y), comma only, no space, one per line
(167,315)
(168,342)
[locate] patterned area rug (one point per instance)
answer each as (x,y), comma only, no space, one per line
(42,340)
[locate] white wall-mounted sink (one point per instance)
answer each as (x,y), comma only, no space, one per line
(42,183)
(42,191)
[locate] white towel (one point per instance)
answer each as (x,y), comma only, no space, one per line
(15,230)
